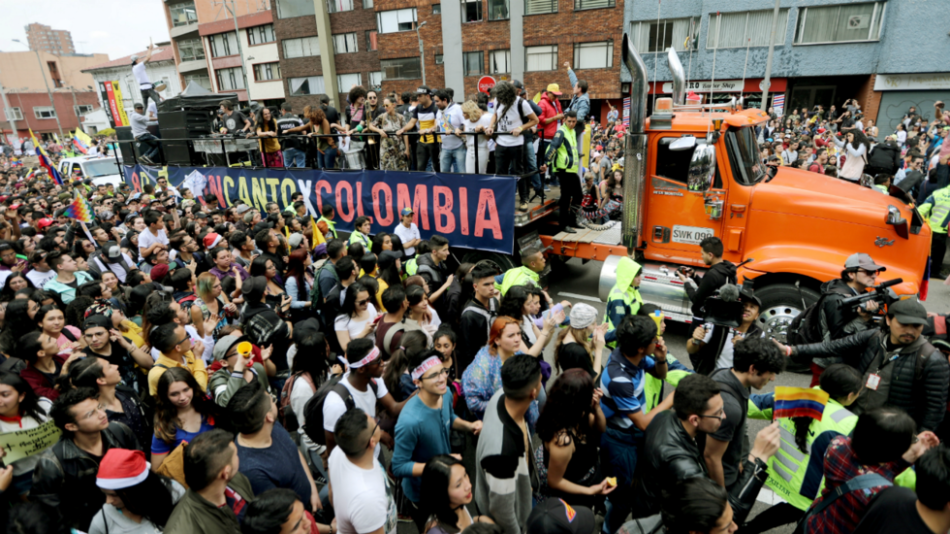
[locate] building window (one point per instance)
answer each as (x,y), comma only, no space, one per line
(497,9)
(499,61)
(397,20)
(580,5)
(13,114)
(537,7)
(838,24)
(376,79)
(294,8)
(540,58)
(230,79)
(371,43)
(471,10)
(339,6)
(44,112)
(344,43)
(747,28)
(474,63)
(436,9)
(311,85)
(594,55)
(201,79)
(438,59)
(367,4)
(345,81)
(408,68)
(261,34)
(191,50)
(82,108)
(302,47)
(266,71)
(183,14)
(650,36)
(224,44)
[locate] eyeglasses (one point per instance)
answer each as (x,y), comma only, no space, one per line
(444,371)
(721,414)
(373,433)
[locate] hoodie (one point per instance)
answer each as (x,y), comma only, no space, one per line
(718,275)
(624,298)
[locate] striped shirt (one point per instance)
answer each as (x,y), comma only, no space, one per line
(622,384)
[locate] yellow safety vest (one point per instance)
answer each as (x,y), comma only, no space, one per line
(519,276)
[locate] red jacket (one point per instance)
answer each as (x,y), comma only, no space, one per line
(549,109)
(38,381)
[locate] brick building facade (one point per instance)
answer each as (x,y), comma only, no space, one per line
(31,111)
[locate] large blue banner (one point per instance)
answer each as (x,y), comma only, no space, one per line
(471,211)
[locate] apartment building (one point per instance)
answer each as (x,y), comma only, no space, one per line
(45,39)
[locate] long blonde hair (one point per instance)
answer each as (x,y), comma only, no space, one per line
(472,111)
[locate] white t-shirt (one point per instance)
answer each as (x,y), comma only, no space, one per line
(510,121)
(407,235)
(354,327)
(334,407)
(39,279)
(362,498)
(450,119)
(140,76)
(152,111)
(484,121)
(726,356)
(146,239)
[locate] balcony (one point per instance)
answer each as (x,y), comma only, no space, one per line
(191,66)
(178,32)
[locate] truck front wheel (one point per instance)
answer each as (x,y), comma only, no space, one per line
(780,304)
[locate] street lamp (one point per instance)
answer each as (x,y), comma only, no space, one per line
(43,74)
(422,54)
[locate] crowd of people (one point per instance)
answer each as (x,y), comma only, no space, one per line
(225,369)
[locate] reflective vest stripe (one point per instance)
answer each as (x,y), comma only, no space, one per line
(570,143)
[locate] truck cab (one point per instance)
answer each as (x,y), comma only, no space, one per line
(694,170)
(102,170)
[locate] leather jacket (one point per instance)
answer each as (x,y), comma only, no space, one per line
(670,455)
(65,476)
(919,378)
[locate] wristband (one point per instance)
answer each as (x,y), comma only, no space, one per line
(788,351)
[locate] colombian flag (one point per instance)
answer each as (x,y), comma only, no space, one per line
(44,161)
(82,141)
(799,402)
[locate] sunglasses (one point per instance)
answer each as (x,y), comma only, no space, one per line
(362,302)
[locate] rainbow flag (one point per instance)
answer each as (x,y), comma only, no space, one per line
(799,402)
(80,209)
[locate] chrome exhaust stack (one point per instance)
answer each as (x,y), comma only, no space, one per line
(635,146)
(679,77)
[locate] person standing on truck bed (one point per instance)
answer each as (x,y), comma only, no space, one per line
(720,272)
(901,368)
(564,159)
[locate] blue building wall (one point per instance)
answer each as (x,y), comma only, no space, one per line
(913,39)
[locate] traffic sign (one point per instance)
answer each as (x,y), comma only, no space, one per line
(485,83)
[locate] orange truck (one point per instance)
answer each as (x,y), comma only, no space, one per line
(694,170)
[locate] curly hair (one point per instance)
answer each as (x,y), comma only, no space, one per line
(505,94)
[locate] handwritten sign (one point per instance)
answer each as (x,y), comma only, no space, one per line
(21,444)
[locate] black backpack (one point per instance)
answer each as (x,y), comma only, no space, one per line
(806,326)
(313,410)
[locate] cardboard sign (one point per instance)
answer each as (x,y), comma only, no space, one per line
(21,444)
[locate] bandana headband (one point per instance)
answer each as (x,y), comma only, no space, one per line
(429,363)
(373,354)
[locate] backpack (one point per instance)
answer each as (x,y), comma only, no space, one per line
(286,412)
(313,410)
(316,298)
(806,326)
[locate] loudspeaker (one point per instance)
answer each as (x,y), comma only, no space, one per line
(123,134)
(179,152)
(195,121)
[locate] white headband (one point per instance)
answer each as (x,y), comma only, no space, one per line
(373,354)
(429,363)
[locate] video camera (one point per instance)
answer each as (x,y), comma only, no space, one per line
(881,293)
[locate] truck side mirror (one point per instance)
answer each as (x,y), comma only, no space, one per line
(702,169)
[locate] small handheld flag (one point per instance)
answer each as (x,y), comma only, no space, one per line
(82,141)
(799,402)
(80,209)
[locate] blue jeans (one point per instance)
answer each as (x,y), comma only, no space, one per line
(295,158)
(619,459)
(453,157)
(532,166)
(327,160)
(147,142)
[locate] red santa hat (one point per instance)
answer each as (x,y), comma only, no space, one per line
(122,468)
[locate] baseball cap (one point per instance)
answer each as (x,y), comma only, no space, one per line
(554,516)
(517,84)
(424,91)
(44,222)
(554,89)
(158,272)
(240,210)
(224,344)
(406,211)
(908,311)
(263,225)
(295,240)
(862,261)
(253,288)
(112,253)
(387,258)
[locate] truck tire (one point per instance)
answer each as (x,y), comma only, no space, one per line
(780,304)
(502,260)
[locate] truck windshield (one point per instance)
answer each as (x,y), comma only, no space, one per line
(744,155)
(102,167)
